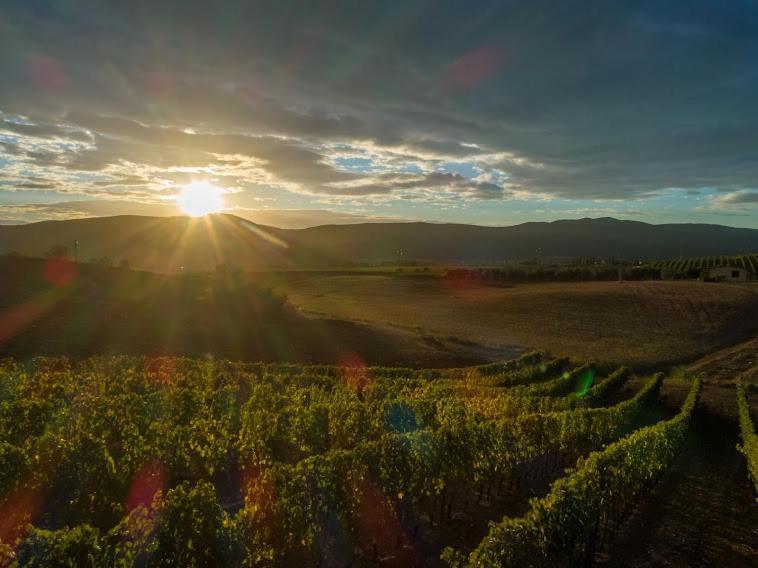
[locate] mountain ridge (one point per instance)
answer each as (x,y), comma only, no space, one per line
(168,244)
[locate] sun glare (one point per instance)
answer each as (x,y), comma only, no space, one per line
(200,198)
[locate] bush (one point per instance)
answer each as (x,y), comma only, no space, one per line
(193,530)
(78,547)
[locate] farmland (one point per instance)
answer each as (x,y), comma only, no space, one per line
(166,461)
(436,458)
(638,323)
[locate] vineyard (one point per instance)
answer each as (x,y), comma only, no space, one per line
(694,264)
(747,431)
(177,462)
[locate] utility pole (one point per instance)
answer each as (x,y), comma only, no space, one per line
(76,250)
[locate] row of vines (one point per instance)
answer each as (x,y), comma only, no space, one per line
(177,462)
(749,445)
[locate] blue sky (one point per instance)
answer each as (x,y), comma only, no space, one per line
(479,112)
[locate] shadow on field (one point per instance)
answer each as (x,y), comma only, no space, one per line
(57,307)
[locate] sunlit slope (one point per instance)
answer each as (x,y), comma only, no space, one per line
(632,322)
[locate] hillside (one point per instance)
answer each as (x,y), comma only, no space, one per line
(644,324)
(566,238)
(166,244)
(160,244)
(56,307)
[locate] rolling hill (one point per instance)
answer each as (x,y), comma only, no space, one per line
(166,244)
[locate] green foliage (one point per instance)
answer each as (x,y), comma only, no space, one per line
(598,394)
(193,529)
(305,511)
(13,465)
(134,461)
(76,547)
(563,527)
(749,446)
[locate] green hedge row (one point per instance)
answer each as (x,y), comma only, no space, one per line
(749,445)
(562,528)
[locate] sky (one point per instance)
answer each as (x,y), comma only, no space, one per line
(486,112)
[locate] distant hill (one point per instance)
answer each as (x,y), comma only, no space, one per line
(165,244)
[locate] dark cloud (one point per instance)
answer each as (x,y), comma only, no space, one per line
(42,130)
(443,183)
(594,99)
(284,218)
(9,148)
(162,146)
(740,197)
(43,158)
(121,181)
(109,151)
(449,148)
(35,185)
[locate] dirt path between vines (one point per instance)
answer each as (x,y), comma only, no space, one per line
(703,512)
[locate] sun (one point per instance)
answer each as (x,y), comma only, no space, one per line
(200,198)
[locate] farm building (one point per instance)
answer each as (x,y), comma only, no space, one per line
(724,274)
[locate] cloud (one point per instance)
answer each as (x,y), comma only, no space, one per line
(292,164)
(437,184)
(283,218)
(43,130)
(34,185)
(9,148)
(616,102)
(746,197)
(32,212)
(165,146)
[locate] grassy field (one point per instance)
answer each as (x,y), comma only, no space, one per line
(640,323)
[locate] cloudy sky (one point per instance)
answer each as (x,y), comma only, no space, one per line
(310,112)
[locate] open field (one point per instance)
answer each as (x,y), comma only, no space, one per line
(57,307)
(639,323)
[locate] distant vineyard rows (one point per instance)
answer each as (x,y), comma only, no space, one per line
(685,265)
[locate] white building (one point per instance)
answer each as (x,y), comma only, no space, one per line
(724,274)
